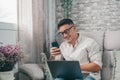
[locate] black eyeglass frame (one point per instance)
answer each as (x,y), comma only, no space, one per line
(66,31)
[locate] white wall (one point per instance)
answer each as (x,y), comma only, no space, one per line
(93,14)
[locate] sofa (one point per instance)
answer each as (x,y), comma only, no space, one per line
(108,41)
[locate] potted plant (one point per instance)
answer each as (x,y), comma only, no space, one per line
(9,55)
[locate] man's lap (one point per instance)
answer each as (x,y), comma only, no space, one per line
(86,78)
(89,78)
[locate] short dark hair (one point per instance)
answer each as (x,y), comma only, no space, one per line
(65,21)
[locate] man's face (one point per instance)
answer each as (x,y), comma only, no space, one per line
(67,32)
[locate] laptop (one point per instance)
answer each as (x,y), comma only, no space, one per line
(69,70)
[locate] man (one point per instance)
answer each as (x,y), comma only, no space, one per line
(80,48)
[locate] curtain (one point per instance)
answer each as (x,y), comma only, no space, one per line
(31,30)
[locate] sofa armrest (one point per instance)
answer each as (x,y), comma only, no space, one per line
(32,71)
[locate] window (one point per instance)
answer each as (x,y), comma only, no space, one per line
(8,11)
(8,21)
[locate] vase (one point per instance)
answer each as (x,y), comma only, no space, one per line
(7,75)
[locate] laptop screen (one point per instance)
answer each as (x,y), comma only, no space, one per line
(69,70)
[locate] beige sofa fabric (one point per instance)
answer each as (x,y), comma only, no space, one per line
(96,35)
(112,40)
(33,71)
(108,65)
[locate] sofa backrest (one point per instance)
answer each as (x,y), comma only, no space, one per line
(112,40)
(111,43)
(98,36)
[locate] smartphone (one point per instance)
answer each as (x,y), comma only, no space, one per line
(55,44)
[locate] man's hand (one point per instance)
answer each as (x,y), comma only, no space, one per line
(54,51)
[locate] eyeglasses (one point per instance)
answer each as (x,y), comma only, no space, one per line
(65,31)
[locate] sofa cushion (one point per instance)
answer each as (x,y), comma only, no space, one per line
(34,71)
(117,65)
(96,35)
(112,40)
(108,65)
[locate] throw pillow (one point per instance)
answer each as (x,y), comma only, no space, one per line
(117,65)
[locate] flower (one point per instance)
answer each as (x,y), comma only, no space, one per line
(9,55)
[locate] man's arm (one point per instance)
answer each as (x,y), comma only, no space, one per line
(92,67)
(95,58)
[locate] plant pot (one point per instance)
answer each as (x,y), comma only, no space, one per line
(7,75)
(7,66)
